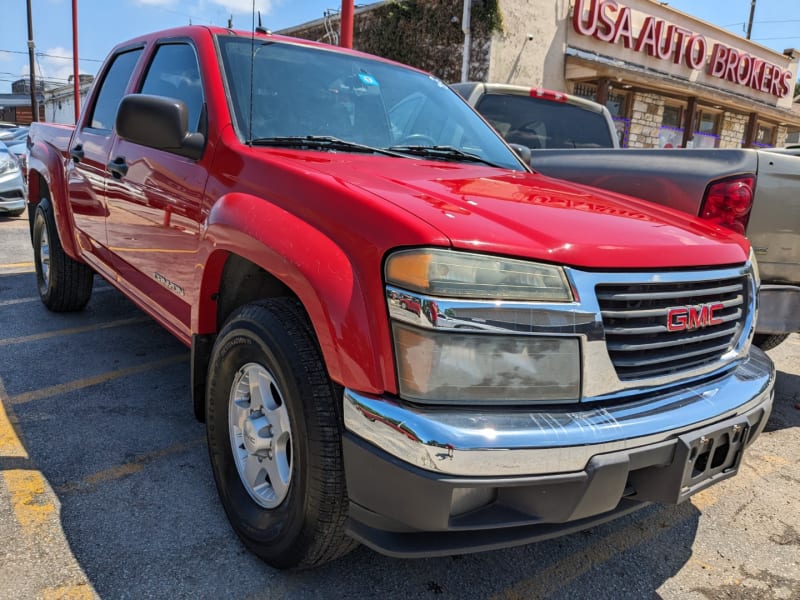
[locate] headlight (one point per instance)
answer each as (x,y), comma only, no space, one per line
(455,274)
(446,367)
(438,364)
(8,163)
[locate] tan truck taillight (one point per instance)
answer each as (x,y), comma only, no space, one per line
(728,203)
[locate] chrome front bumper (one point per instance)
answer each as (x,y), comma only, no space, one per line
(517,442)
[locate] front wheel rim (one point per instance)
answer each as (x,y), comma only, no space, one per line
(261,436)
(44,260)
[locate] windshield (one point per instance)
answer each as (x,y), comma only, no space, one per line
(304,91)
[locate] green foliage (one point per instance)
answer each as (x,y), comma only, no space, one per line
(424,33)
(427,33)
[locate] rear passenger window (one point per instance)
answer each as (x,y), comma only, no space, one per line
(174,73)
(113,88)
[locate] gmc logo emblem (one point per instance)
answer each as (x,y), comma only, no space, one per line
(687,318)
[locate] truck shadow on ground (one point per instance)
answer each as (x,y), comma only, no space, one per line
(786,408)
(139,508)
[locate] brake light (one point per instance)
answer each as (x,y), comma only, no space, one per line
(728,203)
(548,95)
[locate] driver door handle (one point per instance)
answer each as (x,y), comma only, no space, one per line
(118,167)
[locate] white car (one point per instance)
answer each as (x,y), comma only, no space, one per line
(12,184)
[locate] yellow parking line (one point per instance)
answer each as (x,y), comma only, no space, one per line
(10,444)
(29,499)
(120,471)
(34,506)
(71,386)
(18,265)
(72,331)
(81,591)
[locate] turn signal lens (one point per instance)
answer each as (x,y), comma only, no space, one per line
(727,203)
(454,274)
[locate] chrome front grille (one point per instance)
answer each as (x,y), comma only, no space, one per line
(636,317)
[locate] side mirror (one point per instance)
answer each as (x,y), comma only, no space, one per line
(523,152)
(158,122)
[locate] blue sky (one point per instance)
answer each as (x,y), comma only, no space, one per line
(104,23)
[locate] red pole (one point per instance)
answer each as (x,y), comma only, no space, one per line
(346,24)
(75,74)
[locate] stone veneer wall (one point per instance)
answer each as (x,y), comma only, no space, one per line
(732,130)
(646,117)
(422,33)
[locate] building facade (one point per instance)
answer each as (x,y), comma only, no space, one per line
(669,79)
(59,102)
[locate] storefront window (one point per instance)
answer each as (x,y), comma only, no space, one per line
(670,137)
(585,90)
(616,104)
(673,116)
(670,134)
(706,134)
(707,122)
(765,136)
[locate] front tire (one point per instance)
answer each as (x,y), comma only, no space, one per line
(274,437)
(765,341)
(65,285)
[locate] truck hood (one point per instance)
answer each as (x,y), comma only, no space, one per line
(526,214)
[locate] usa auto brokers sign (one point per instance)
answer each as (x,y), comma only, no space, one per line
(609,21)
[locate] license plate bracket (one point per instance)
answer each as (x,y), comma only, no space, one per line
(702,458)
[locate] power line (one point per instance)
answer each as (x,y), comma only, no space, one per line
(97,60)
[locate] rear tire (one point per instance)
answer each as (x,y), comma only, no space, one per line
(65,285)
(274,437)
(766,341)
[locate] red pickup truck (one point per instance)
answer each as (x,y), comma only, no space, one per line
(400,335)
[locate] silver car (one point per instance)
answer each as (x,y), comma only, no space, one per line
(12,184)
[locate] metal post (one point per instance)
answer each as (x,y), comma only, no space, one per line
(750,20)
(466,18)
(346,24)
(75,71)
(34,105)
(689,121)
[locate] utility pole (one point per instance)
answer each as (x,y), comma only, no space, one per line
(750,20)
(76,78)
(34,106)
(346,24)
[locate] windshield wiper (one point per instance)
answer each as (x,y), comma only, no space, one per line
(443,152)
(321,142)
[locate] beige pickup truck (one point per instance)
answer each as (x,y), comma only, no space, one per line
(750,191)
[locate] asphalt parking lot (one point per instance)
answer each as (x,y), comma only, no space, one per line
(106,491)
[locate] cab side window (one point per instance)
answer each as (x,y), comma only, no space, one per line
(174,73)
(112,89)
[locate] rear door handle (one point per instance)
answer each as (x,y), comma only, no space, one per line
(76,153)
(118,167)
